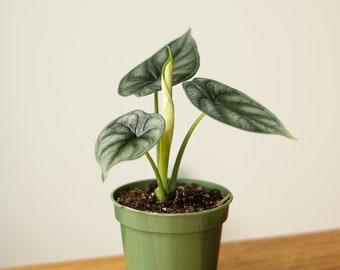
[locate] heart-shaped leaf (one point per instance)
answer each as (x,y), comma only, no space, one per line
(128,137)
(145,79)
(232,107)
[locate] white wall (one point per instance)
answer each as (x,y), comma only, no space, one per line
(60,64)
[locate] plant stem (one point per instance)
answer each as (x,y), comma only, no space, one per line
(160,191)
(155,102)
(173,179)
(156,109)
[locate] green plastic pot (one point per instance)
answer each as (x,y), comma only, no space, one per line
(158,241)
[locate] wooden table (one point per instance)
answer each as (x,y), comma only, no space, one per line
(314,251)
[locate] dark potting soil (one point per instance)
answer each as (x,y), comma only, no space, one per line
(184,199)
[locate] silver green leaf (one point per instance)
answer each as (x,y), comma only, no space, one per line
(232,107)
(128,137)
(145,79)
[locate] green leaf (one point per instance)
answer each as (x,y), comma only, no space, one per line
(145,79)
(232,107)
(128,137)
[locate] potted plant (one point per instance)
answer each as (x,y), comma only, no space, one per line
(156,234)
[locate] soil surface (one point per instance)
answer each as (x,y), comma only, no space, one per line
(185,199)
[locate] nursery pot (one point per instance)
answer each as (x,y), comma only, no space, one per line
(160,241)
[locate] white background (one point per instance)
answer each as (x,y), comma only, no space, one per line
(60,65)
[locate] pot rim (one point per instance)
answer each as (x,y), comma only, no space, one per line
(223,189)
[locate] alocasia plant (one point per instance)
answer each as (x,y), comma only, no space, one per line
(134,134)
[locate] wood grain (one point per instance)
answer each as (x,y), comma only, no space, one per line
(313,251)
(317,251)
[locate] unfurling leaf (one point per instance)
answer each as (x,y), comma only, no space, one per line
(145,79)
(168,115)
(232,107)
(128,137)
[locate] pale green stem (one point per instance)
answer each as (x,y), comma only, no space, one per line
(156,109)
(160,192)
(173,179)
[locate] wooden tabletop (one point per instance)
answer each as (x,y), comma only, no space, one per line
(313,251)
